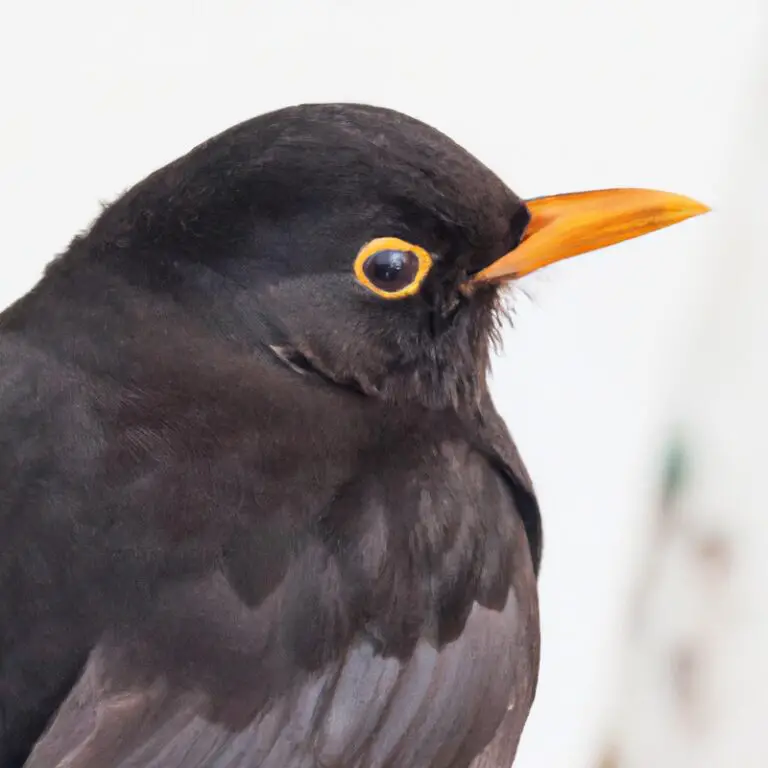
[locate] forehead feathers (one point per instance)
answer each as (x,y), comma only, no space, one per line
(344,167)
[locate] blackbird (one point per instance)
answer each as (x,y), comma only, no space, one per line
(257,508)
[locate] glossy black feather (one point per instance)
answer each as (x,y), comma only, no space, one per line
(245,563)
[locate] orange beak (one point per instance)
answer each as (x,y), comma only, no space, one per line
(562,226)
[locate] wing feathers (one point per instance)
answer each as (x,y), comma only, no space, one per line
(438,709)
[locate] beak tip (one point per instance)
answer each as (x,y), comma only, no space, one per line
(693,207)
(688,208)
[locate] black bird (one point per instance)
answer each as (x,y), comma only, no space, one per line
(257,509)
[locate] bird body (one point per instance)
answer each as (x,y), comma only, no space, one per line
(257,508)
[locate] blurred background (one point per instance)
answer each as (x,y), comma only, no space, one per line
(632,378)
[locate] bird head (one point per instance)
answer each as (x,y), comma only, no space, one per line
(358,245)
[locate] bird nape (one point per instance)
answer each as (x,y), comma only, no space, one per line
(258,509)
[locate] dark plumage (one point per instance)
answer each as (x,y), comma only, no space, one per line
(252,513)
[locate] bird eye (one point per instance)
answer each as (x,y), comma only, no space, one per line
(392,268)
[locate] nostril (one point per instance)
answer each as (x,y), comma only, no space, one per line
(518,224)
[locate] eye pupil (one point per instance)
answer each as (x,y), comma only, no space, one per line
(392,270)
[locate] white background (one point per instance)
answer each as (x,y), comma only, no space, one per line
(555,95)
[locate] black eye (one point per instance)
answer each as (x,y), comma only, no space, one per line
(391,270)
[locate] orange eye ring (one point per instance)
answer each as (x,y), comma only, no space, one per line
(413,265)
